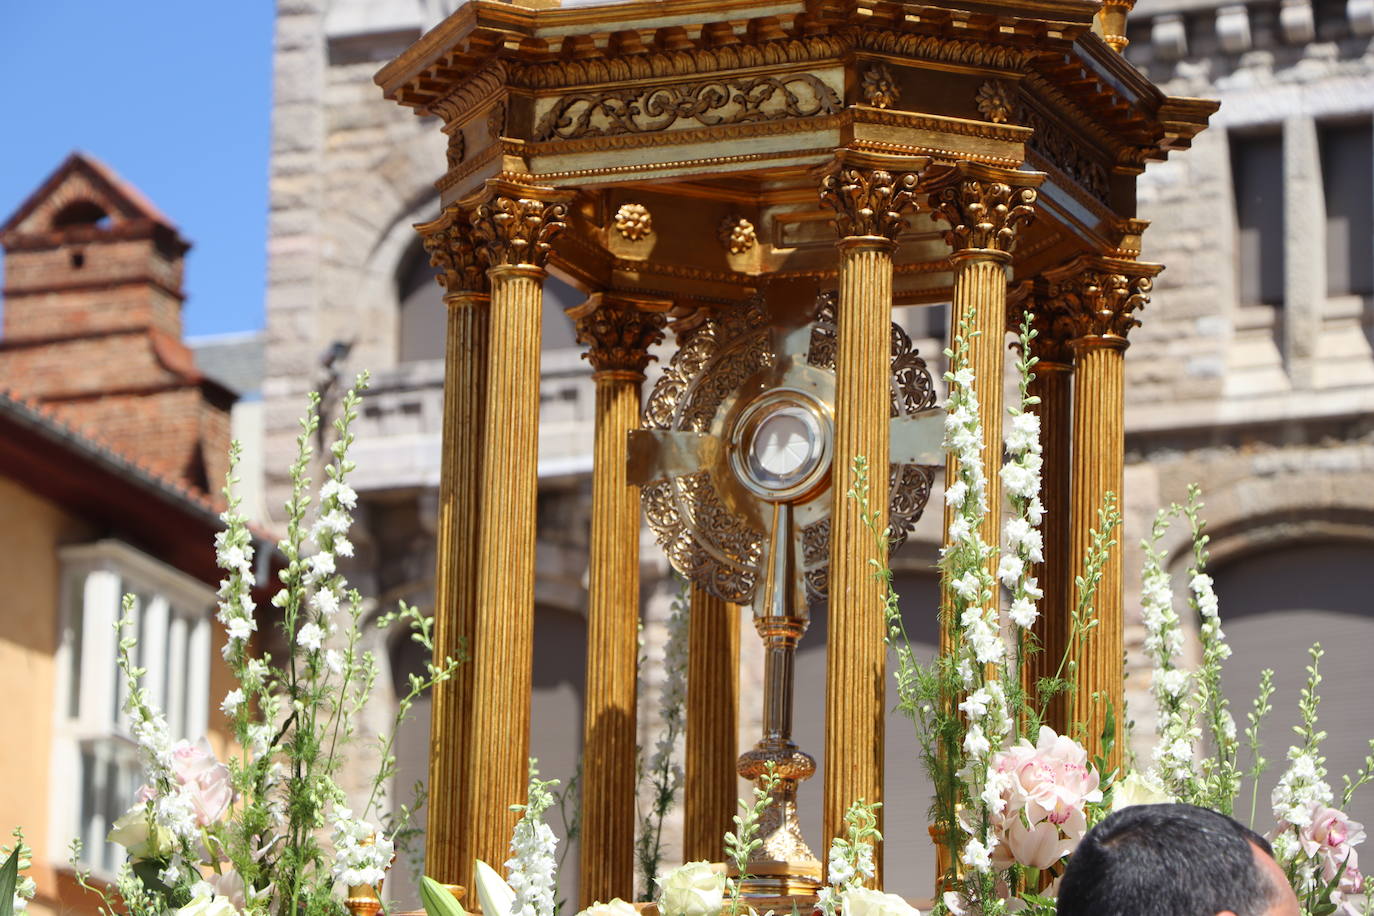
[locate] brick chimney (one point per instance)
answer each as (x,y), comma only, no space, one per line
(92,324)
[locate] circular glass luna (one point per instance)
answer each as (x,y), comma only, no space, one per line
(782,446)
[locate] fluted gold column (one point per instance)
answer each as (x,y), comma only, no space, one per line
(1099,298)
(1053,385)
(448,852)
(513,225)
(871,196)
(712,745)
(617,330)
(984,207)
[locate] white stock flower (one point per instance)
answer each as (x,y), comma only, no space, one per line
(325,601)
(1023,432)
(240,629)
(975,742)
(693,889)
(333,489)
(334,661)
(1010,569)
(1020,479)
(343,546)
(362,853)
(310,637)
(975,705)
(1172,682)
(231,702)
(1023,612)
(968,586)
(976,855)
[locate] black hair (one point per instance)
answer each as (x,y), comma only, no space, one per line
(1166,860)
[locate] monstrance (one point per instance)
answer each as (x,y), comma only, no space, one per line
(735,460)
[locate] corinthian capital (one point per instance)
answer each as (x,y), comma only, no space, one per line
(515,224)
(1097,298)
(872,195)
(618,330)
(453,251)
(984,205)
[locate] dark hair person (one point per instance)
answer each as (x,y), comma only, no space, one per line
(1173,860)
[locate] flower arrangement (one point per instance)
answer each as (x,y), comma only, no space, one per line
(1013,798)
(269,831)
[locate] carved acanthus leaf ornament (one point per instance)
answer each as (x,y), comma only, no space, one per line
(982,213)
(618,335)
(517,230)
(1100,303)
(869,201)
(453,250)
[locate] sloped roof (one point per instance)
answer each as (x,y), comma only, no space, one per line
(118,197)
(99,484)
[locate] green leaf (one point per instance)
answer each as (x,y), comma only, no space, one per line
(9,880)
(437,900)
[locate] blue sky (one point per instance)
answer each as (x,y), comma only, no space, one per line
(176,97)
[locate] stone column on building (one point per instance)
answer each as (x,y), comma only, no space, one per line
(1099,298)
(985,207)
(872,196)
(618,330)
(449,241)
(512,225)
(1053,385)
(712,740)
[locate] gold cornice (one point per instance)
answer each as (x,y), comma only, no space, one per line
(472,96)
(702,164)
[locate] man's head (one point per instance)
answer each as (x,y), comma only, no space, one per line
(1173,860)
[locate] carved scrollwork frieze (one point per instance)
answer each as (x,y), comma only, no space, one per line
(711,103)
(453,250)
(871,201)
(512,230)
(618,333)
(1057,147)
(984,208)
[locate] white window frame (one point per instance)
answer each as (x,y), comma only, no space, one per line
(176,613)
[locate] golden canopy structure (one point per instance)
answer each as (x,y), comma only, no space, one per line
(677,158)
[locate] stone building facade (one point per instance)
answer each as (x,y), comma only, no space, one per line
(1262,402)
(1253,373)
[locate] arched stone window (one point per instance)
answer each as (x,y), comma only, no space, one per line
(1274,604)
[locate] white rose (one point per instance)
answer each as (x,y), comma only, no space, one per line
(694,889)
(863,901)
(136,834)
(616,907)
(208,906)
(1138,789)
